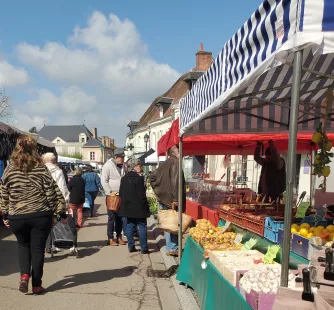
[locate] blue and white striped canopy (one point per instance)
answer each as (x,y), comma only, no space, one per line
(252,75)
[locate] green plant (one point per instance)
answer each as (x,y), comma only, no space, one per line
(76,155)
(153,204)
(324,157)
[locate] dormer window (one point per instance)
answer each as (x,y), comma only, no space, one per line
(82,138)
(161,111)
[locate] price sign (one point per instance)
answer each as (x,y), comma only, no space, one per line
(226,226)
(301,211)
(249,244)
(271,254)
(238,238)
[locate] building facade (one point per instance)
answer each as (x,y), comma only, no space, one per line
(78,141)
(157,119)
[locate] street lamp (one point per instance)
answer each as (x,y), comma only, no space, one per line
(146,139)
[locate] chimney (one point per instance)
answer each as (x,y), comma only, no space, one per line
(203,59)
(107,142)
(103,141)
(95,133)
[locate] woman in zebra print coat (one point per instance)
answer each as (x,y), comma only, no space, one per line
(29,199)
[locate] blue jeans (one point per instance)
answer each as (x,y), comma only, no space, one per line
(172,241)
(131,225)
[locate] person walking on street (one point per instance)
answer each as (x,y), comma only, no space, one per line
(57,174)
(134,206)
(29,199)
(112,172)
(92,187)
(165,184)
(76,186)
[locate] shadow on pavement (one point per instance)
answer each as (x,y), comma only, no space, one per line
(9,262)
(90,277)
(87,224)
(89,244)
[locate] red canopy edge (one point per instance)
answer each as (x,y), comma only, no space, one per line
(222,144)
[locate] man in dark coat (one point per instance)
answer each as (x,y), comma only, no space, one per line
(165,184)
(272,181)
(134,206)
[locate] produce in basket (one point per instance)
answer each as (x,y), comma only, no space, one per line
(264,280)
(213,238)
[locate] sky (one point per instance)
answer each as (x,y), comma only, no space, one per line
(102,63)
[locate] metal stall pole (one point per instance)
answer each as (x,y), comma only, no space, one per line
(291,165)
(180,197)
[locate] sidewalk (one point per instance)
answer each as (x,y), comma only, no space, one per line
(103,277)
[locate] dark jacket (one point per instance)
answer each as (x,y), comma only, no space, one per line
(273,174)
(165,182)
(132,191)
(93,182)
(76,186)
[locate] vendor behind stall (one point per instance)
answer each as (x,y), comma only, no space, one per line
(272,181)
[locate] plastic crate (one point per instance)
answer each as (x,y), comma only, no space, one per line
(255,226)
(270,235)
(225,215)
(274,224)
(238,219)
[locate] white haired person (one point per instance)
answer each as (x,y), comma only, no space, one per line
(50,161)
(57,174)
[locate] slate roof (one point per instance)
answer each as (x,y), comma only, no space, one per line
(93,143)
(67,133)
(193,75)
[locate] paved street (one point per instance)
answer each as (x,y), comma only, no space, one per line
(103,277)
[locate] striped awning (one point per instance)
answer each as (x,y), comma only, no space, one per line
(251,78)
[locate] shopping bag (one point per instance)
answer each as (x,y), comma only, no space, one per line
(113,202)
(169,221)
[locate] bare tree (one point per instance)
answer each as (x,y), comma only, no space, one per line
(5,105)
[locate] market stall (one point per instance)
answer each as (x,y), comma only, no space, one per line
(273,76)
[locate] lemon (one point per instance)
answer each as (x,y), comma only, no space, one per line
(303,232)
(294,230)
(330,228)
(328,146)
(317,159)
(321,228)
(317,232)
(326,171)
(331,236)
(295,226)
(316,137)
(305,225)
(309,235)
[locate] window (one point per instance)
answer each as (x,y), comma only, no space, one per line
(58,141)
(59,150)
(92,156)
(82,138)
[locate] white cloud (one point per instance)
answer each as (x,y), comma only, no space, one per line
(71,101)
(110,61)
(11,76)
(108,50)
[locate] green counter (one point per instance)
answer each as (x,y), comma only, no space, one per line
(212,289)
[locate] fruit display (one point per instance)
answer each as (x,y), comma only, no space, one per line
(305,230)
(213,238)
(322,160)
(264,281)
